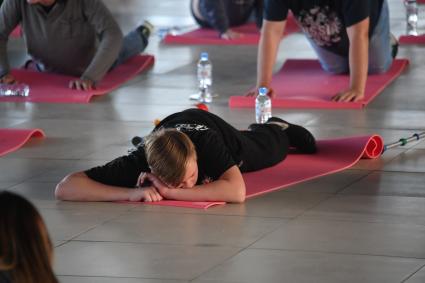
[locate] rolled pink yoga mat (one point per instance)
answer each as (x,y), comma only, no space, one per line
(333,155)
(251,35)
(304,84)
(53,88)
(13,139)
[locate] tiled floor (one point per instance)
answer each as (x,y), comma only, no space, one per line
(366,224)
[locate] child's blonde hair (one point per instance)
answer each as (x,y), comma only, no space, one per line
(167,152)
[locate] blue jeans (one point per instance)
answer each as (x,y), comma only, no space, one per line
(133,44)
(380,58)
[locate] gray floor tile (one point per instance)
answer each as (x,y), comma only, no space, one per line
(389,183)
(183,229)
(255,265)
(412,160)
(418,277)
(372,209)
(138,260)
(82,279)
(67,224)
(348,237)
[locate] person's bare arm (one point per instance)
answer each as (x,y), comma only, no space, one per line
(79,187)
(230,187)
(358,35)
(271,35)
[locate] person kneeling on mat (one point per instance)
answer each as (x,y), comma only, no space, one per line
(224,14)
(191,155)
(348,37)
(72,37)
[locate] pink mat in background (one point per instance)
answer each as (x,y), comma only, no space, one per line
(411,39)
(333,155)
(304,84)
(13,139)
(210,36)
(53,88)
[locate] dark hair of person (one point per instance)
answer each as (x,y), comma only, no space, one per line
(26,252)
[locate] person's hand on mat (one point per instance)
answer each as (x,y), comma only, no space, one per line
(254,92)
(351,95)
(8,79)
(230,34)
(81,84)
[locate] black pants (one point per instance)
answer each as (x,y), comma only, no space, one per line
(262,146)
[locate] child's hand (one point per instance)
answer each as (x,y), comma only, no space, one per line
(8,79)
(162,188)
(254,93)
(81,84)
(230,34)
(351,95)
(151,194)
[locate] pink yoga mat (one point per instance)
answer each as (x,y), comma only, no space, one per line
(13,139)
(210,36)
(53,88)
(333,155)
(411,39)
(303,84)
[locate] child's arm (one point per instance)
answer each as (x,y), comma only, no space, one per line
(271,35)
(110,35)
(79,187)
(230,187)
(358,35)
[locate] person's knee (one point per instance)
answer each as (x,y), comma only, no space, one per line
(380,68)
(64,187)
(336,69)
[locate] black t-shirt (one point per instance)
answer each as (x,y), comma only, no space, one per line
(4,276)
(325,21)
(216,150)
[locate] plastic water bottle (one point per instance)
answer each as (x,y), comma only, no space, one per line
(263,106)
(411,16)
(17,89)
(205,78)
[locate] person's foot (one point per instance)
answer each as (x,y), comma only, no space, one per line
(136,141)
(299,137)
(146,29)
(277,121)
(394,46)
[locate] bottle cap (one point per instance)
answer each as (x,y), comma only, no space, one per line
(204,55)
(262,91)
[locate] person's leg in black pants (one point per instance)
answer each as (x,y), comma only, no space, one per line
(299,137)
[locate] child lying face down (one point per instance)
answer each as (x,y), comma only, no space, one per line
(73,37)
(191,155)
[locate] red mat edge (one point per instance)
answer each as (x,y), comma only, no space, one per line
(412,40)
(249,102)
(150,61)
(36,133)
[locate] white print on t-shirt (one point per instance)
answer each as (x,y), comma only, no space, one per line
(321,25)
(191,127)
